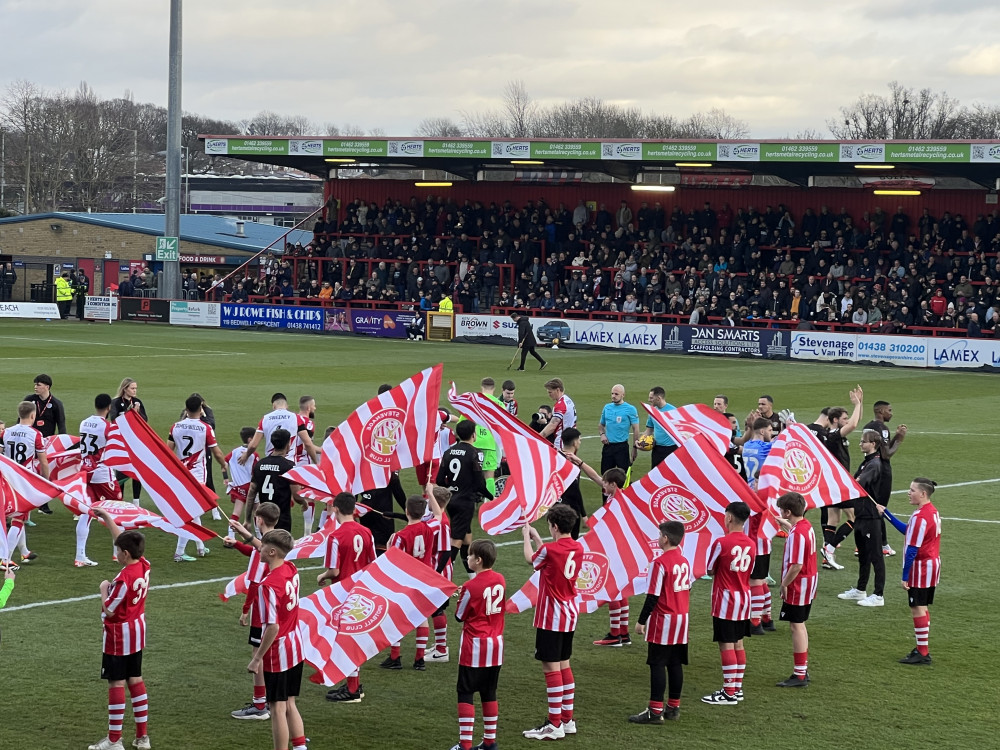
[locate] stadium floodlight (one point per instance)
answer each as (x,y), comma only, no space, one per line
(896,192)
(874,166)
(432,184)
(340,161)
(654,188)
(526,161)
(693,164)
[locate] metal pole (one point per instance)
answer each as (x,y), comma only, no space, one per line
(170,281)
(135,168)
(3,168)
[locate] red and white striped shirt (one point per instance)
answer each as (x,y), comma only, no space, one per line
(278,602)
(730,561)
(565,411)
(192,438)
(349,549)
(924,532)
(763,547)
(417,540)
(800,549)
(22,443)
(442,531)
(301,454)
(93,438)
(125,606)
(257,571)
(557,564)
(481,609)
(669,579)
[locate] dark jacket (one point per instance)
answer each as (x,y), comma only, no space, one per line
(121,405)
(876,482)
(525,334)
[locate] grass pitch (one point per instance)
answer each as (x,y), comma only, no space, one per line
(196,655)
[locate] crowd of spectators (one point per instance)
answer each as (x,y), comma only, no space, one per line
(708,265)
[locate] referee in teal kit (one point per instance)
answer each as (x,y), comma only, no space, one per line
(619,432)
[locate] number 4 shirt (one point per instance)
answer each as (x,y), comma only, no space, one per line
(730,561)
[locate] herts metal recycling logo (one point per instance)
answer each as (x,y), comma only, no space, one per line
(381,435)
(593,573)
(674,503)
(362,611)
(799,471)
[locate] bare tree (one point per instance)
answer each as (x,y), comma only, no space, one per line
(716,123)
(519,109)
(903,114)
(266,122)
(438,127)
(980,122)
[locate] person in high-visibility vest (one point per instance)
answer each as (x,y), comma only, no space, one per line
(64,295)
(446,305)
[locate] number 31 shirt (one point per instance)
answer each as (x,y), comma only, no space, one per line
(730,562)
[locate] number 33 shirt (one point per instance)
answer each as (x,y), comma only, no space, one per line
(730,562)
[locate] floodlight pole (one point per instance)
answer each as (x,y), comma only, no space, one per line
(170,282)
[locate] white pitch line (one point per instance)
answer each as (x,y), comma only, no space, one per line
(178,585)
(106,343)
(144,356)
(957,484)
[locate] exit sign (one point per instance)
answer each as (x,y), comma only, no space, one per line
(167,248)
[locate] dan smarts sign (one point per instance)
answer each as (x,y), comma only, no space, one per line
(729,151)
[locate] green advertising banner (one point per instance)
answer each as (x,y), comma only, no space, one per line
(680,151)
(461,149)
(800,152)
(937,152)
(353,148)
(565,150)
(241,146)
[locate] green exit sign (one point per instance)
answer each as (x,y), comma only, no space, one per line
(167,248)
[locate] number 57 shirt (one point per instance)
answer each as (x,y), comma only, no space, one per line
(730,561)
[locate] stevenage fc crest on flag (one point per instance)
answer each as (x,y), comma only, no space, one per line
(799,470)
(363,611)
(676,503)
(593,573)
(381,434)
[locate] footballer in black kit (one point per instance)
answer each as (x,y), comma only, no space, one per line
(461,472)
(268,484)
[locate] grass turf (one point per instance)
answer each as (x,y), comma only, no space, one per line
(196,655)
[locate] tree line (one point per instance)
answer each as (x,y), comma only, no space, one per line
(77,151)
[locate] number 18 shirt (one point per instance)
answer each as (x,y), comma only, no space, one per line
(669,580)
(481,609)
(557,565)
(730,561)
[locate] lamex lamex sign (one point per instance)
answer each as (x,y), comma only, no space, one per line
(272,316)
(617,335)
(964,353)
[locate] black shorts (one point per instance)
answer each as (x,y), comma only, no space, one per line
(116,668)
(761,567)
(482,680)
(615,456)
(659,655)
(794,612)
(553,646)
(730,631)
(660,452)
(281,686)
(460,514)
(381,527)
(920,597)
(441,610)
(255,635)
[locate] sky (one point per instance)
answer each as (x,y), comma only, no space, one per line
(783,67)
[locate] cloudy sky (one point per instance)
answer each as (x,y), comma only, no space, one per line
(781,66)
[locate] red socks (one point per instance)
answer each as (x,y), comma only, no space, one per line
(422,633)
(801,663)
(922,631)
(673,702)
(553,691)
(116,712)
(140,706)
(259,697)
(440,623)
(394,651)
(466,724)
(354,681)
(729,671)
(656,707)
(298,743)
(741,667)
(568,691)
(490,713)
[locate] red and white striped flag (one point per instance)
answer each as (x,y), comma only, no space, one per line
(692,485)
(798,462)
(75,493)
(6,496)
(235,587)
(27,489)
(313,545)
(694,419)
(538,473)
(383,603)
(393,431)
(526,597)
(312,483)
(129,516)
(64,460)
(137,451)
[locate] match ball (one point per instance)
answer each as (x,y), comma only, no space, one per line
(645,443)
(555,343)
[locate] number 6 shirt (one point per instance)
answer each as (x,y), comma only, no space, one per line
(557,564)
(730,562)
